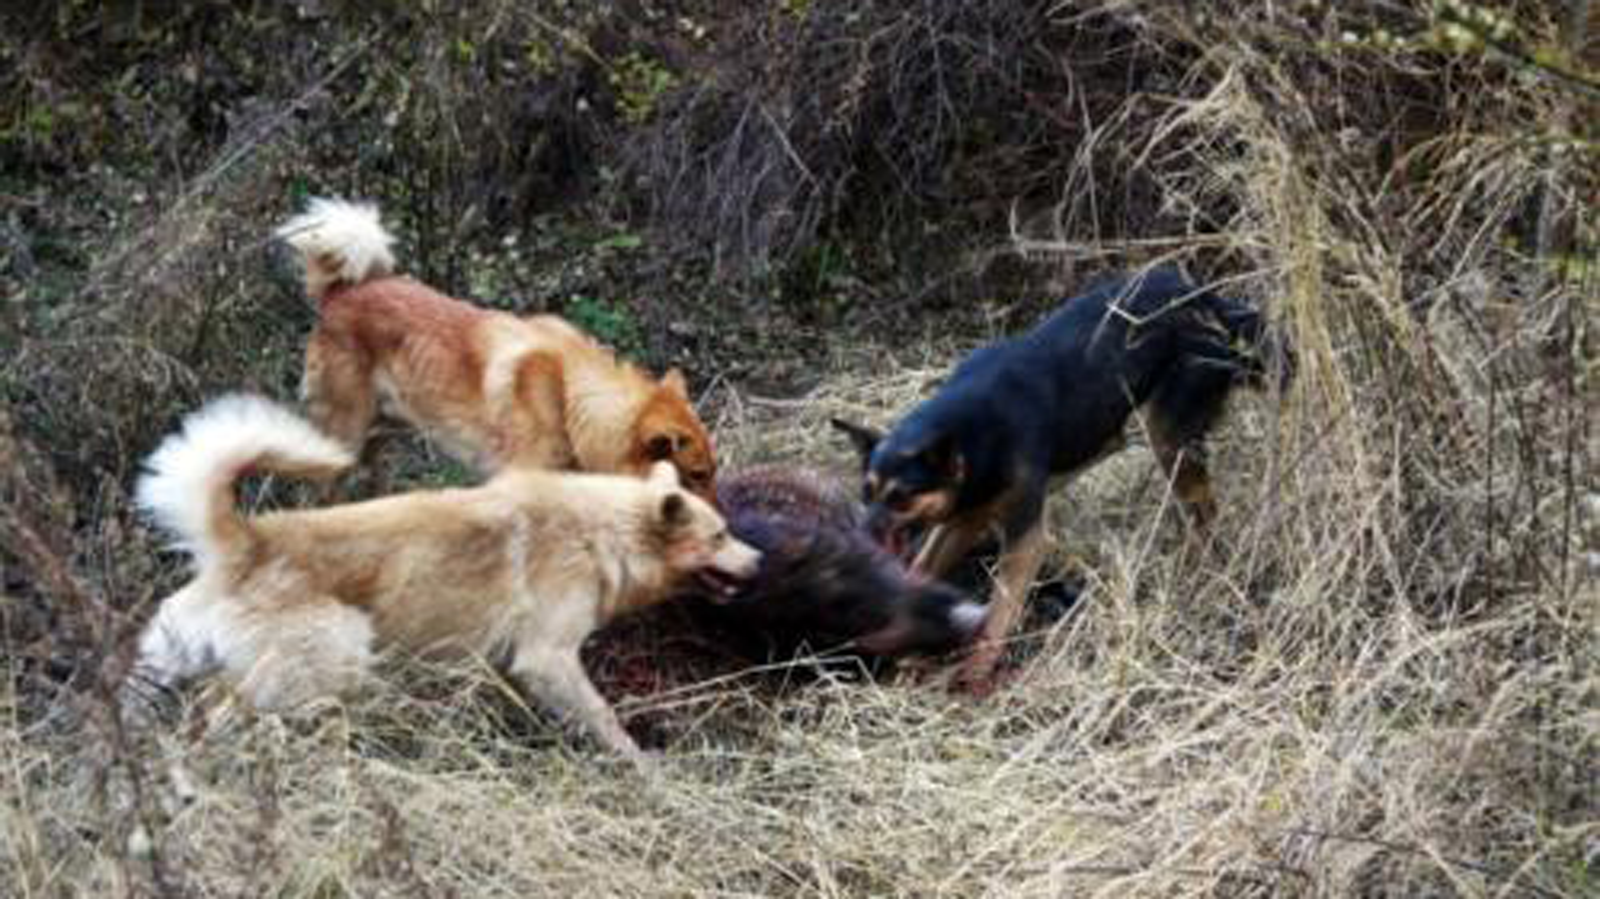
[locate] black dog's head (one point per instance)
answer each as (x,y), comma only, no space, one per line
(910,478)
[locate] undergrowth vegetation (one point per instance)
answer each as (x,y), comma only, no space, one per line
(1377,677)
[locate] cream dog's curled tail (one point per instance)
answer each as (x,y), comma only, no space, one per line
(188,484)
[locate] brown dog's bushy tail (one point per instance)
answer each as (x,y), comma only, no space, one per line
(187,487)
(341,244)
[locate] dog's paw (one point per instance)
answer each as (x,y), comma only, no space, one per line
(977,676)
(974,686)
(649,763)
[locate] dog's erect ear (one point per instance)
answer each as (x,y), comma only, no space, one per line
(863,438)
(674,381)
(674,510)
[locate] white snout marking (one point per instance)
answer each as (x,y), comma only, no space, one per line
(968,616)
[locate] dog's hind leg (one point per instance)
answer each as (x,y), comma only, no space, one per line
(320,652)
(554,675)
(178,645)
(340,397)
(338,390)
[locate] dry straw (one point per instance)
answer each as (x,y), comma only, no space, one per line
(1376,678)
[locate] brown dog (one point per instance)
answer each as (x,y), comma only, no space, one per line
(290,606)
(497,391)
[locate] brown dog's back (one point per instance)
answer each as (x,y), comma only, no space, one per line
(496,390)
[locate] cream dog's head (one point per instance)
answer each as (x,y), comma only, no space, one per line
(695,539)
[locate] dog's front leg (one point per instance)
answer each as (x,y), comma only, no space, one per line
(528,407)
(1192,484)
(555,676)
(1020,558)
(946,545)
(1184,461)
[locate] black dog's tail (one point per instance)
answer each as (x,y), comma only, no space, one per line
(1235,335)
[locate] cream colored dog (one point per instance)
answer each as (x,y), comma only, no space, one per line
(291,606)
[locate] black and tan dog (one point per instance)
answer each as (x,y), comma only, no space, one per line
(977,457)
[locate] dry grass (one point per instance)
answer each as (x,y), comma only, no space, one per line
(1379,677)
(1291,713)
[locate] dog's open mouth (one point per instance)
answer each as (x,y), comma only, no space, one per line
(718,584)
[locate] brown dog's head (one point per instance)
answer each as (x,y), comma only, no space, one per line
(668,430)
(696,539)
